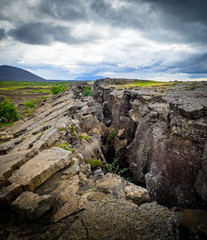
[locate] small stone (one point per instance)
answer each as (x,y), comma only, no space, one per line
(71,171)
(136,194)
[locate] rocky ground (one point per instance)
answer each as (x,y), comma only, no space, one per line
(54,179)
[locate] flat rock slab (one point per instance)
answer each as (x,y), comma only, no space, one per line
(11,162)
(38,169)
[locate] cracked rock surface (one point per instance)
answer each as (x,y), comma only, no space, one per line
(47,192)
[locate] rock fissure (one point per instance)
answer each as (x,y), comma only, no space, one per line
(73,142)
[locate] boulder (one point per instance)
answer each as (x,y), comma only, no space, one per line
(31,206)
(65,199)
(117,219)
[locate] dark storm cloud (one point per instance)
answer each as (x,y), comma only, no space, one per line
(42,34)
(187,10)
(180,21)
(64,9)
(124,16)
(193,64)
(159,20)
(165,25)
(2,33)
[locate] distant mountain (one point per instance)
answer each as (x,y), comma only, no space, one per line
(9,73)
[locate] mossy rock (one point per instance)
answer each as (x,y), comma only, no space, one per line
(94,163)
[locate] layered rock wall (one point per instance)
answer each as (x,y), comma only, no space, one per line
(163,136)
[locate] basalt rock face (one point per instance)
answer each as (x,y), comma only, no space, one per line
(47,191)
(162,134)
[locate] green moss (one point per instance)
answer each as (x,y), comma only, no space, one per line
(72,131)
(86,137)
(94,163)
(65,146)
(43,132)
(94,188)
(61,129)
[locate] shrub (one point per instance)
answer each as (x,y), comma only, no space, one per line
(30,104)
(57,89)
(87,91)
(30,107)
(8,112)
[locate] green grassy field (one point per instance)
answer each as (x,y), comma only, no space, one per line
(141,84)
(28,95)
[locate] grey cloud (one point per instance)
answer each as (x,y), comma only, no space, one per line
(124,16)
(64,9)
(185,21)
(159,20)
(2,33)
(194,64)
(39,33)
(187,10)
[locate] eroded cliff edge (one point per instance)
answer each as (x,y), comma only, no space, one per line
(52,193)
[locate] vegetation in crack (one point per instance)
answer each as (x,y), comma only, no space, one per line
(115,167)
(111,136)
(86,137)
(65,146)
(94,163)
(72,131)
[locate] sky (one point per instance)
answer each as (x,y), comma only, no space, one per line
(89,39)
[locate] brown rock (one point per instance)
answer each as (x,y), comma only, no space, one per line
(66,201)
(40,168)
(10,193)
(31,205)
(11,162)
(136,194)
(111,184)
